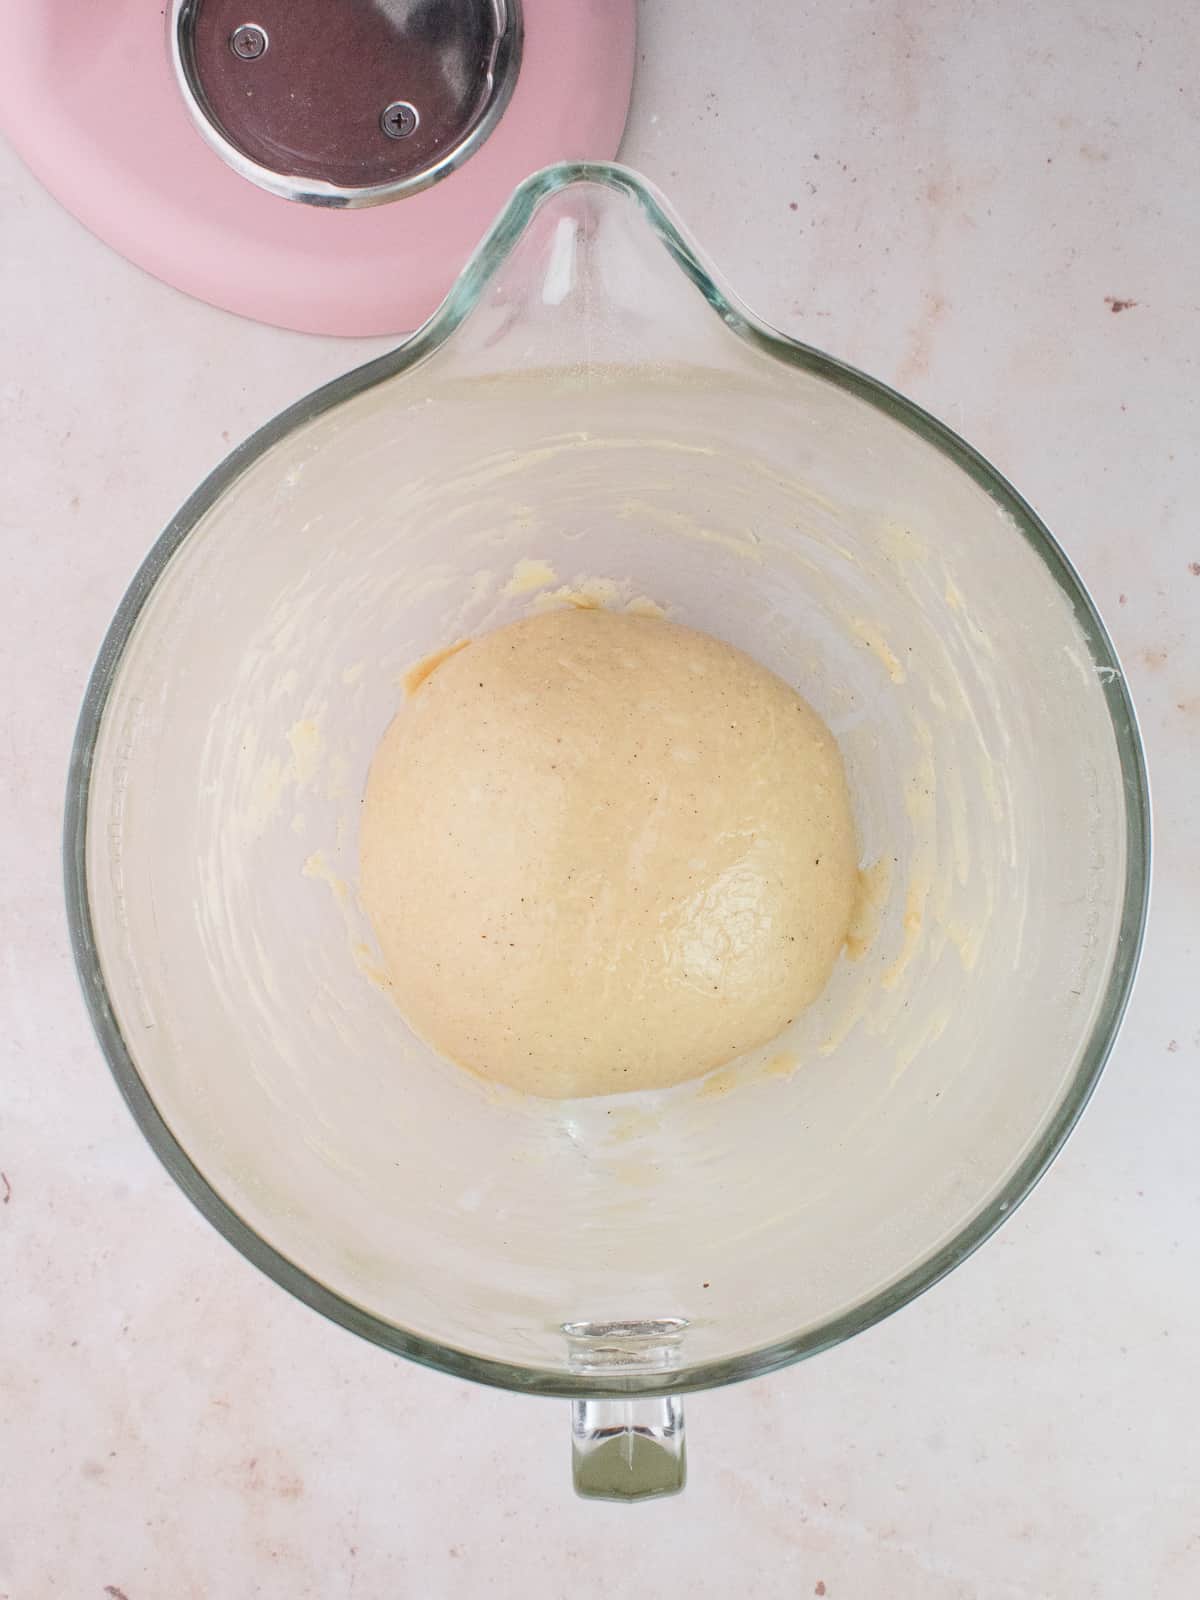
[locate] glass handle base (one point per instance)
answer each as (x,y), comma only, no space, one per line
(628,1449)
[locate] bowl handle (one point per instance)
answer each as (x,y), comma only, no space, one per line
(628,1449)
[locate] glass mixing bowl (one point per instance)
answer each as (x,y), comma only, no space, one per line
(591,416)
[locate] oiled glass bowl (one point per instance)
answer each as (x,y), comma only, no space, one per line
(589,411)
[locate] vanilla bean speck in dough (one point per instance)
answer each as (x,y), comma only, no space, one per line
(604,852)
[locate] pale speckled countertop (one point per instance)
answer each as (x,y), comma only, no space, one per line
(953,196)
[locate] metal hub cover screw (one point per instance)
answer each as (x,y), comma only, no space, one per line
(399,119)
(249,41)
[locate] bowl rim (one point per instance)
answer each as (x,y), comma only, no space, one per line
(466,293)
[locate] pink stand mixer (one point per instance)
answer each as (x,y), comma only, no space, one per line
(179,141)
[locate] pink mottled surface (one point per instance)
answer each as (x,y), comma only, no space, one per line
(951,196)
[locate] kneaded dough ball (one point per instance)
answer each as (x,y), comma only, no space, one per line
(605,852)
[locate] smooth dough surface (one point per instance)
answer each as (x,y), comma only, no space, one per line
(604,853)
